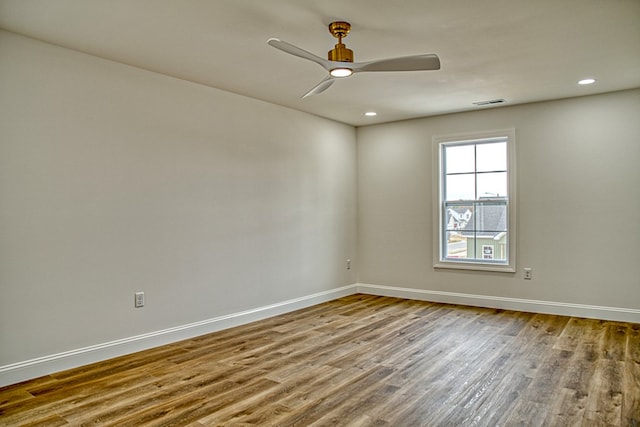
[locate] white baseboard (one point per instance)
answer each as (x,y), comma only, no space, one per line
(29,369)
(518,304)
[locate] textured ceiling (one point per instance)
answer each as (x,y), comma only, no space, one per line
(519,50)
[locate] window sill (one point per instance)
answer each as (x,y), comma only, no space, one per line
(461,265)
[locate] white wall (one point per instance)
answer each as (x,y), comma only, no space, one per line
(115,180)
(578,183)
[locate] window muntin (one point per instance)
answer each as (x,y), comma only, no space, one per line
(476,212)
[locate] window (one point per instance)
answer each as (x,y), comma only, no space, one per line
(474,217)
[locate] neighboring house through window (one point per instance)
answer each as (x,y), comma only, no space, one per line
(474,176)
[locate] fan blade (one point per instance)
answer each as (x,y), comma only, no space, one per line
(406,63)
(296,51)
(320,87)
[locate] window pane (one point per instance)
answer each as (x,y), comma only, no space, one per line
(490,220)
(456,245)
(460,187)
(489,249)
(460,158)
(475,248)
(492,185)
(491,157)
(458,217)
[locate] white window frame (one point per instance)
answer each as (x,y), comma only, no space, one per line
(439,260)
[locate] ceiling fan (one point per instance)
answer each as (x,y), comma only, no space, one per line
(340,59)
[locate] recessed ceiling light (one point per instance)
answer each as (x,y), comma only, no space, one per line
(587,81)
(370,113)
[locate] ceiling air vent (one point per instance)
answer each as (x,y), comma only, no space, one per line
(491,102)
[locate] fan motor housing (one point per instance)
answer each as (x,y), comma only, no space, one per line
(341,53)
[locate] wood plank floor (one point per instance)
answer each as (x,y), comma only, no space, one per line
(358,361)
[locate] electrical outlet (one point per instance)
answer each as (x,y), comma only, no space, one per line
(528,273)
(139,299)
(348,264)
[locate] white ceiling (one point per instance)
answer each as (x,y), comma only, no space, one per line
(519,50)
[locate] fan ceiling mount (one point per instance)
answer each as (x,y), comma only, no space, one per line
(340,62)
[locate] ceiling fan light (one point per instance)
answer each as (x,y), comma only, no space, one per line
(341,72)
